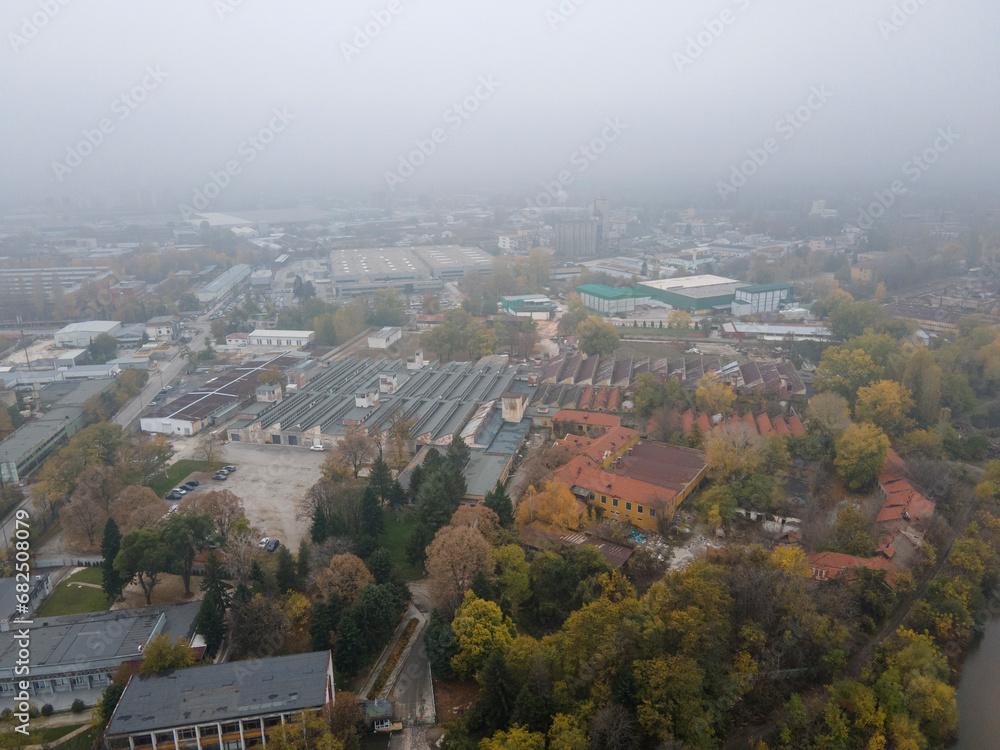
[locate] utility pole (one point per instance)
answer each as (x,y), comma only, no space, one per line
(24,344)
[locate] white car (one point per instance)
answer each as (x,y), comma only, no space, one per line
(180,491)
(319,447)
(264,542)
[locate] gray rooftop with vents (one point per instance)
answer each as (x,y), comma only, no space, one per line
(222,692)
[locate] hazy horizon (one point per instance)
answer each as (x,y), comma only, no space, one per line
(870,94)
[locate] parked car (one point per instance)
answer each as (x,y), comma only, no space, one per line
(180,490)
(264,542)
(173,496)
(229,469)
(318,448)
(219,477)
(193,482)
(273,545)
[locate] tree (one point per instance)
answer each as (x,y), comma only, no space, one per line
(111,542)
(380,565)
(346,577)
(499,502)
(273,376)
(144,555)
(713,396)
(219,329)
(454,558)
(349,647)
(431,305)
(477,517)
(372,519)
(210,450)
(829,413)
(286,577)
(513,577)
(380,480)
(566,733)
(84,518)
(885,404)
(310,731)
(854,318)
(861,453)
(679,320)
(734,452)
(515,738)
(222,506)
(211,619)
(597,337)
(143,458)
(613,728)
(256,624)
(555,506)
(102,348)
(846,370)
(439,640)
(184,535)
(163,652)
(356,448)
(480,628)
(321,623)
(377,613)
(925,379)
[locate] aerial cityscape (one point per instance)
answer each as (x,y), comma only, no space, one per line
(555,375)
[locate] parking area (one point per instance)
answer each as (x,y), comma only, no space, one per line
(271,480)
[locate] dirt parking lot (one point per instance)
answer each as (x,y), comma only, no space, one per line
(271,479)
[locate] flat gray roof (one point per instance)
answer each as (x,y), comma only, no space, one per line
(222,692)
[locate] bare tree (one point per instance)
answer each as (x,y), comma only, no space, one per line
(211,450)
(222,506)
(241,551)
(357,448)
(455,557)
(84,518)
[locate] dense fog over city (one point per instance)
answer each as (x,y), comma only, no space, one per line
(841,94)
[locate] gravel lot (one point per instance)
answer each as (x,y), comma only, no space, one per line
(271,479)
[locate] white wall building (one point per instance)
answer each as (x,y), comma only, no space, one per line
(297,339)
(385,338)
(80,335)
(225,283)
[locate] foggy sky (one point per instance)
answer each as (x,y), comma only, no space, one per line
(561,78)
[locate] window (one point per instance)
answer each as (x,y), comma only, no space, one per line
(628,506)
(6,687)
(276,439)
(233,728)
(232,745)
(638,509)
(185,734)
(187,430)
(235,437)
(164,740)
(293,440)
(652,512)
(604,499)
(614,502)
(208,731)
(142,740)
(272,721)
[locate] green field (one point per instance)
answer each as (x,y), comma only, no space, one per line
(394,538)
(83,741)
(67,599)
(175,475)
(87,575)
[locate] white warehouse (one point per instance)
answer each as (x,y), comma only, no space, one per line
(385,338)
(298,339)
(80,335)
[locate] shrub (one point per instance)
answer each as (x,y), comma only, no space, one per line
(78,706)
(47,709)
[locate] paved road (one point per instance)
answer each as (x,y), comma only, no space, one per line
(164,376)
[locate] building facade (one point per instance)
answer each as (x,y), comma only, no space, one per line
(297,339)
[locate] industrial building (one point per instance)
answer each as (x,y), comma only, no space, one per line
(385,338)
(297,339)
(414,270)
(529,305)
(609,300)
(31,443)
(761,298)
(577,239)
(163,328)
(219,399)
(52,282)
(80,335)
(222,285)
(231,705)
(261,279)
(74,656)
(696,294)
(735,329)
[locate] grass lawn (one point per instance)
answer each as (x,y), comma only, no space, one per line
(83,741)
(66,599)
(394,538)
(175,475)
(51,734)
(87,575)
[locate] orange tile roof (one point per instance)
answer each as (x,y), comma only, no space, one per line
(795,425)
(764,424)
(836,564)
(587,417)
(780,426)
